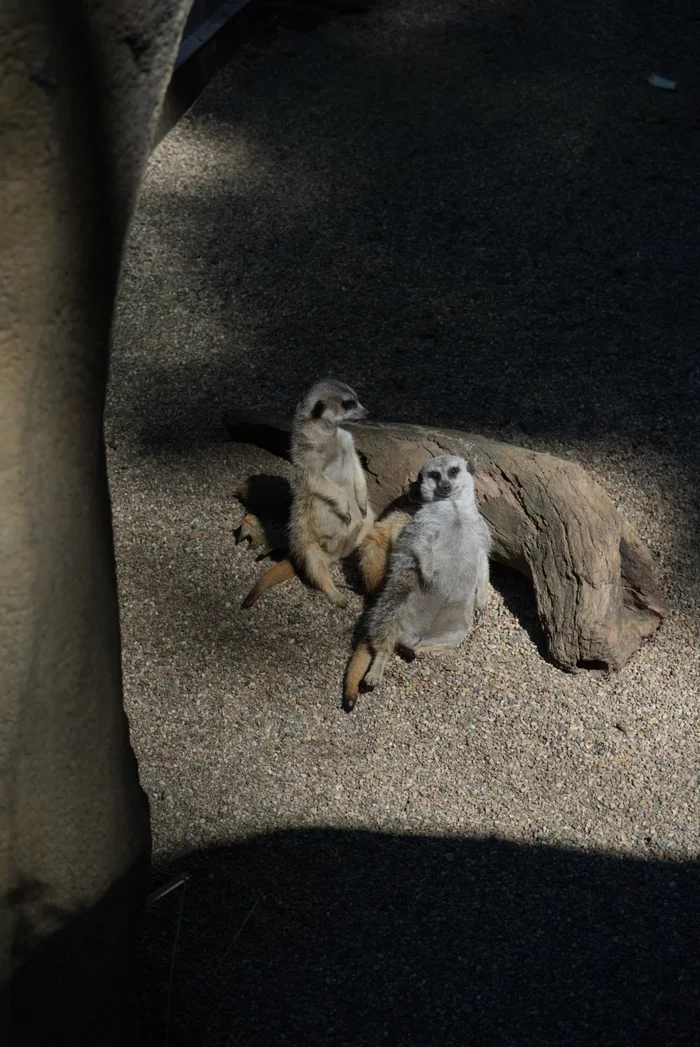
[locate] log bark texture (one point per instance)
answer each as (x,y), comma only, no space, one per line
(593,576)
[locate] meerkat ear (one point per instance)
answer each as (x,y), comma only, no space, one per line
(470,466)
(317,409)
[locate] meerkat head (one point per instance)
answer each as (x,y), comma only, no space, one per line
(331,403)
(445,476)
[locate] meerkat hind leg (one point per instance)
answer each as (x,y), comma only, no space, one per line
(376,548)
(263,540)
(373,676)
(318,574)
(482,592)
(252,530)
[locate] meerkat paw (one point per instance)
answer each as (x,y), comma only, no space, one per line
(251,530)
(411,488)
(373,676)
(479,615)
(363,511)
(346,518)
(337,598)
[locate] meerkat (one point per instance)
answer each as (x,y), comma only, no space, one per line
(438,574)
(330,514)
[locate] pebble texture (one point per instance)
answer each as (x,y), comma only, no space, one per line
(463,210)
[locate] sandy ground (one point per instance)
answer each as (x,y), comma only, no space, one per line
(452,207)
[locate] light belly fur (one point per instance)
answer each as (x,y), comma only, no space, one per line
(429,620)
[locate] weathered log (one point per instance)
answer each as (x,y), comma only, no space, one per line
(593,576)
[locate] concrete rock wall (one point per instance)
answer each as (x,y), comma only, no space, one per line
(80,88)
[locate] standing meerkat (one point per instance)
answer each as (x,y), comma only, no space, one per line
(330,515)
(438,574)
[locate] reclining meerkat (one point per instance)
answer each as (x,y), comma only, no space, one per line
(330,515)
(437,578)
(379,541)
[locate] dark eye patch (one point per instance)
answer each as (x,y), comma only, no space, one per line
(434,476)
(454,471)
(349,404)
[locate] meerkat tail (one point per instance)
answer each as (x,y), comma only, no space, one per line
(376,547)
(357,667)
(281,572)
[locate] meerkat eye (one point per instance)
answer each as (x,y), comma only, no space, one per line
(454,471)
(318,409)
(434,476)
(349,404)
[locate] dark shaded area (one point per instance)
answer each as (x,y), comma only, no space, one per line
(269,498)
(492,240)
(249,428)
(333,937)
(191,76)
(519,597)
(77,984)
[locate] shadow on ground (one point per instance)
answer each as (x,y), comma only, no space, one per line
(335,937)
(481,215)
(78,962)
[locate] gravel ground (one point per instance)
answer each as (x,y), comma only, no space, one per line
(452,207)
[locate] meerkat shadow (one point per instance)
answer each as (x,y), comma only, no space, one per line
(268,500)
(518,595)
(352,576)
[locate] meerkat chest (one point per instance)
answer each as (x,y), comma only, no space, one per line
(453,543)
(340,458)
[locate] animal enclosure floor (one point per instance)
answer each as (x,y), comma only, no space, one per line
(467,212)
